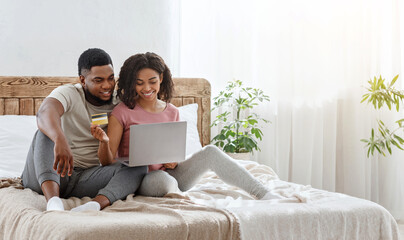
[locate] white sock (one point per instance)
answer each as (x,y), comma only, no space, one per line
(55,203)
(269,196)
(90,206)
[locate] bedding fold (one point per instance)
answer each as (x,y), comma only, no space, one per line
(23,216)
(11,182)
(303,213)
(210,210)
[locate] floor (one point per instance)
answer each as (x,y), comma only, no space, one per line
(401,228)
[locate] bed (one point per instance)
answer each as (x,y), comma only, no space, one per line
(210,210)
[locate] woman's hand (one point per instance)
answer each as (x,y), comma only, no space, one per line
(99,134)
(170,165)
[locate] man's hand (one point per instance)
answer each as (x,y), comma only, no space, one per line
(99,134)
(63,158)
(170,165)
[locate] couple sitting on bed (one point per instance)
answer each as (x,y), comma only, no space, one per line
(70,157)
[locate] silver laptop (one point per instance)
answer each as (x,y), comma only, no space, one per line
(156,143)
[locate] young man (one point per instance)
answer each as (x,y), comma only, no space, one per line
(62,160)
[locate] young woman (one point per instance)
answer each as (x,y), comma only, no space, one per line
(145,80)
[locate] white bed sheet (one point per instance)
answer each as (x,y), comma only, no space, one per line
(304,213)
(16,132)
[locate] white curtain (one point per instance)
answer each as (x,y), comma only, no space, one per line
(314,59)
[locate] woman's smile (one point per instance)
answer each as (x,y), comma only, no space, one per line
(148,94)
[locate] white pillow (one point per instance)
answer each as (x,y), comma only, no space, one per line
(16,133)
(189,113)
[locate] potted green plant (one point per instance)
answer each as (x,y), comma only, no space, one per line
(239,127)
(379,93)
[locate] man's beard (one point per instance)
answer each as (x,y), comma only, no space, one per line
(95,100)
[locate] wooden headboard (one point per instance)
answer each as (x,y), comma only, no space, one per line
(24,95)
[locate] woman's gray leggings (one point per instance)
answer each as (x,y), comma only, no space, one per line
(187,174)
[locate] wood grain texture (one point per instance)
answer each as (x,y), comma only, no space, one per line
(188,100)
(26,106)
(205,121)
(177,101)
(37,104)
(1,106)
(11,106)
(191,87)
(24,95)
(22,87)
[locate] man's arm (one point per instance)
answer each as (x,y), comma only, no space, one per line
(49,122)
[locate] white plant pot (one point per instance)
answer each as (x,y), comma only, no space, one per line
(240,156)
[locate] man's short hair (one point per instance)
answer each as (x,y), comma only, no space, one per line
(93,57)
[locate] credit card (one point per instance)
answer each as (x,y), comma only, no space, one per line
(99,119)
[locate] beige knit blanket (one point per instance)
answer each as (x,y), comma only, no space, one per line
(23,216)
(210,210)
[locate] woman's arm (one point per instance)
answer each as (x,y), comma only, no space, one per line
(115,132)
(104,153)
(174,164)
(108,143)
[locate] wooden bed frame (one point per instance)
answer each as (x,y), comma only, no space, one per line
(24,95)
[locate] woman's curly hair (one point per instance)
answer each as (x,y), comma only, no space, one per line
(129,72)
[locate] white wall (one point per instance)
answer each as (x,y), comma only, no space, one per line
(46,37)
